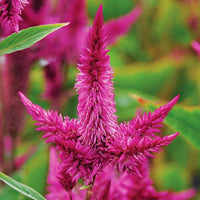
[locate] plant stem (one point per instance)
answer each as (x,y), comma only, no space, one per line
(88,194)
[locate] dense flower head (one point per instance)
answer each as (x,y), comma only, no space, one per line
(88,145)
(56,191)
(111,185)
(14,77)
(10,12)
(96,105)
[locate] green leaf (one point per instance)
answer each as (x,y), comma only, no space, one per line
(172,177)
(183,119)
(36,168)
(25,190)
(124,104)
(13,194)
(149,79)
(27,37)
(186,121)
(84,187)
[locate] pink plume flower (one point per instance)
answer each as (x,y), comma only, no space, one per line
(10,12)
(196,47)
(95,140)
(148,124)
(56,191)
(128,187)
(131,152)
(15,76)
(120,26)
(96,106)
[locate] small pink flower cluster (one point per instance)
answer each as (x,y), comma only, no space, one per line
(10,11)
(111,158)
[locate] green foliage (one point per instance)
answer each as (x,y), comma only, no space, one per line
(35,169)
(181,119)
(23,189)
(27,37)
(186,121)
(13,194)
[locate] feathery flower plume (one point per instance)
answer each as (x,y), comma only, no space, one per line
(120,26)
(15,76)
(10,11)
(56,191)
(96,106)
(130,187)
(196,47)
(95,140)
(149,124)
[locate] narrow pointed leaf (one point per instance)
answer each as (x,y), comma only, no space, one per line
(27,37)
(187,122)
(183,119)
(84,187)
(25,190)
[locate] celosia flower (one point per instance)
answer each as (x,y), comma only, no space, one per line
(196,47)
(95,139)
(56,191)
(111,185)
(96,106)
(128,187)
(10,12)
(119,27)
(14,76)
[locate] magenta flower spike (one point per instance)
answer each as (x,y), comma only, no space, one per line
(128,187)
(149,124)
(95,140)
(14,78)
(10,12)
(196,47)
(56,191)
(120,26)
(96,106)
